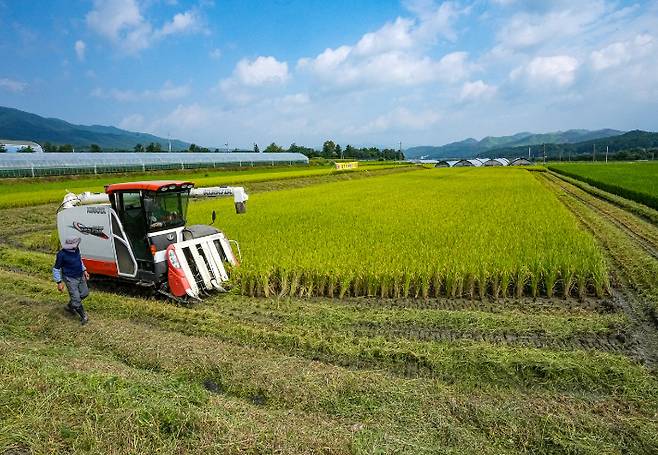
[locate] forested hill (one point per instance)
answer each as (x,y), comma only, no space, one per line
(20,125)
(471,148)
(634,144)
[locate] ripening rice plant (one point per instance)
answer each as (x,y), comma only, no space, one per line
(431,233)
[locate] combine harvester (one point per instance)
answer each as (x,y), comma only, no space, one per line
(135,232)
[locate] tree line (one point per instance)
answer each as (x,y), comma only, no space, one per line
(331,150)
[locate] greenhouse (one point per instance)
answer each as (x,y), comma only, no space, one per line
(520,162)
(497,162)
(468,163)
(446,163)
(44,164)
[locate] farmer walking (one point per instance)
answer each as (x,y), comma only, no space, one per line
(69,270)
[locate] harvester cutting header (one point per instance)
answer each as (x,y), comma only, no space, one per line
(136,232)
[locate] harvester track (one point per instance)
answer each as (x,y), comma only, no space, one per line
(637,297)
(648,244)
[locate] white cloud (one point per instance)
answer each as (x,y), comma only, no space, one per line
(181,23)
(395,36)
(434,22)
(132,122)
(12,85)
(252,76)
(168,92)
(524,30)
(327,61)
(261,71)
(333,67)
(557,70)
(622,52)
(215,54)
(476,90)
(80,48)
(123,24)
(400,118)
(394,54)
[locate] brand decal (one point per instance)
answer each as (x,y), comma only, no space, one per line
(170,236)
(98,210)
(96,231)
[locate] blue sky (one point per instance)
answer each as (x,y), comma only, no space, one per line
(360,72)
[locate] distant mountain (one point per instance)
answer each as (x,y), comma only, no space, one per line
(632,140)
(20,125)
(471,148)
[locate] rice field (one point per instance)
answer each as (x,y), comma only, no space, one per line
(284,374)
(637,181)
(448,233)
(24,192)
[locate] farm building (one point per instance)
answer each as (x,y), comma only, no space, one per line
(468,163)
(520,162)
(497,162)
(14,146)
(41,164)
(446,163)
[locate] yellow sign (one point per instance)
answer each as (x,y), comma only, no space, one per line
(348,165)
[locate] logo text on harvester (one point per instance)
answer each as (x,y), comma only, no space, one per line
(96,210)
(96,231)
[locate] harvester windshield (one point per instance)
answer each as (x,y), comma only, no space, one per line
(166,210)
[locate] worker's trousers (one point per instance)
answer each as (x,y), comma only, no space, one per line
(78,291)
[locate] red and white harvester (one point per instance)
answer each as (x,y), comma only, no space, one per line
(136,232)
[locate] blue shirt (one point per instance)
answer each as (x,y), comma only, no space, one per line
(68,263)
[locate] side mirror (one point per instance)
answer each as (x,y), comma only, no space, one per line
(213,216)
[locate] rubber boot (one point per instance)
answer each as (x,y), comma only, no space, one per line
(83,315)
(69,309)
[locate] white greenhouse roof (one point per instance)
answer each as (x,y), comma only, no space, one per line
(87,160)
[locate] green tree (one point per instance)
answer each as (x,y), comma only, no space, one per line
(153,147)
(256,149)
(48,147)
(3,149)
(339,151)
(349,152)
(26,149)
(95,148)
(66,148)
(273,148)
(328,149)
(139,148)
(193,148)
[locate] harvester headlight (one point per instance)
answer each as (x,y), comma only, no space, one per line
(173,259)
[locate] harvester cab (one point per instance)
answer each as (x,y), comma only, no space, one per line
(136,232)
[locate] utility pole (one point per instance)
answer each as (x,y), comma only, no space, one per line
(606,153)
(593,152)
(528,153)
(544,153)
(169,140)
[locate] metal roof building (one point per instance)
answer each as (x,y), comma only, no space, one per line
(42,164)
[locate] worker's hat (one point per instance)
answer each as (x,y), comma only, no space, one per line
(71,243)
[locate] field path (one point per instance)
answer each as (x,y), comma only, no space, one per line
(631,245)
